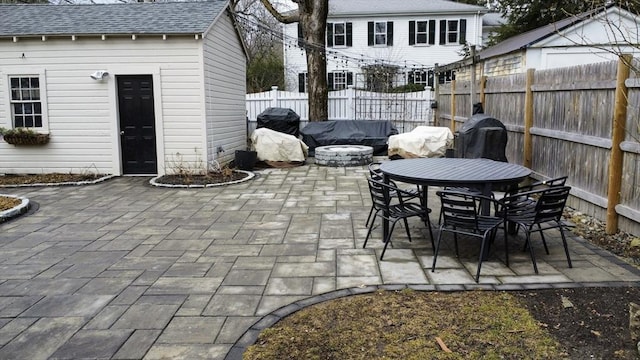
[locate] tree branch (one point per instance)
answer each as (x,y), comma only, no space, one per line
(285,19)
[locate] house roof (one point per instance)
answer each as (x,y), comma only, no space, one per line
(106,19)
(492,19)
(531,37)
(398,7)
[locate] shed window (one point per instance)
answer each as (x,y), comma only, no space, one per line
(26,104)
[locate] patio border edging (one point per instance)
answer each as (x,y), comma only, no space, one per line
(250,336)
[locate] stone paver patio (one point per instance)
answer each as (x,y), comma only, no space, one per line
(124,270)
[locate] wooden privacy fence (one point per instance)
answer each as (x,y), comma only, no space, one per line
(405,110)
(581,121)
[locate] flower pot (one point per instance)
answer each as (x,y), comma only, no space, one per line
(449,153)
(26,139)
(245,160)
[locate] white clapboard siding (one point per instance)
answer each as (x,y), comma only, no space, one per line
(82,113)
(225,89)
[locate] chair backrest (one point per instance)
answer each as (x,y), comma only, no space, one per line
(374,171)
(559,181)
(550,205)
(380,194)
(459,209)
(376,174)
(541,185)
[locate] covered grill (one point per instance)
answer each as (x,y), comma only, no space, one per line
(482,136)
(282,120)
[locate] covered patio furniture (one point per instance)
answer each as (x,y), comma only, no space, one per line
(374,133)
(274,146)
(482,136)
(423,141)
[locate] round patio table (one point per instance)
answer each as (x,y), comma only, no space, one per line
(481,174)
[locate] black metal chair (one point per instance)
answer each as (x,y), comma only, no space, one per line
(461,214)
(460,189)
(537,185)
(381,197)
(408,194)
(537,211)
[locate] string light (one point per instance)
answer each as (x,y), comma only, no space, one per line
(343,56)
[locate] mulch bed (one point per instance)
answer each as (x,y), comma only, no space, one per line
(591,323)
(209,178)
(52,178)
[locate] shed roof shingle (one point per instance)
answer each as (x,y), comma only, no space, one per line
(134,18)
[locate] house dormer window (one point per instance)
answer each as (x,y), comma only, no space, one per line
(422,32)
(380,33)
(453,31)
(339,34)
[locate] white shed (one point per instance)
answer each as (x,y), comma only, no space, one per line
(595,36)
(140,88)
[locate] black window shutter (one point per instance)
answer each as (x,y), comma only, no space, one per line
(370,32)
(443,32)
(430,78)
(329,34)
(410,77)
(432,32)
(301,82)
(349,32)
(349,78)
(330,81)
(389,33)
(300,36)
(412,32)
(463,31)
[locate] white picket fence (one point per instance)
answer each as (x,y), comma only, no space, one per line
(405,110)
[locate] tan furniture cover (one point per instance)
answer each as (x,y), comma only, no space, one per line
(276,146)
(423,141)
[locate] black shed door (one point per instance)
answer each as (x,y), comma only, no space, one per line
(137,124)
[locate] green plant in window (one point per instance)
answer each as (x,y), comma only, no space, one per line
(23,136)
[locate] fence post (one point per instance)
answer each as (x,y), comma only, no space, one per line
(351,104)
(472,87)
(617,136)
(528,118)
(453,106)
(274,96)
(483,85)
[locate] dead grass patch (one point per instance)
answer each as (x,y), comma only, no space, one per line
(405,325)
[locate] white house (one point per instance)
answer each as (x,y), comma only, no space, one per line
(594,36)
(140,88)
(406,37)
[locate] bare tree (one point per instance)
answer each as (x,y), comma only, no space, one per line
(312,16)
(265,67)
